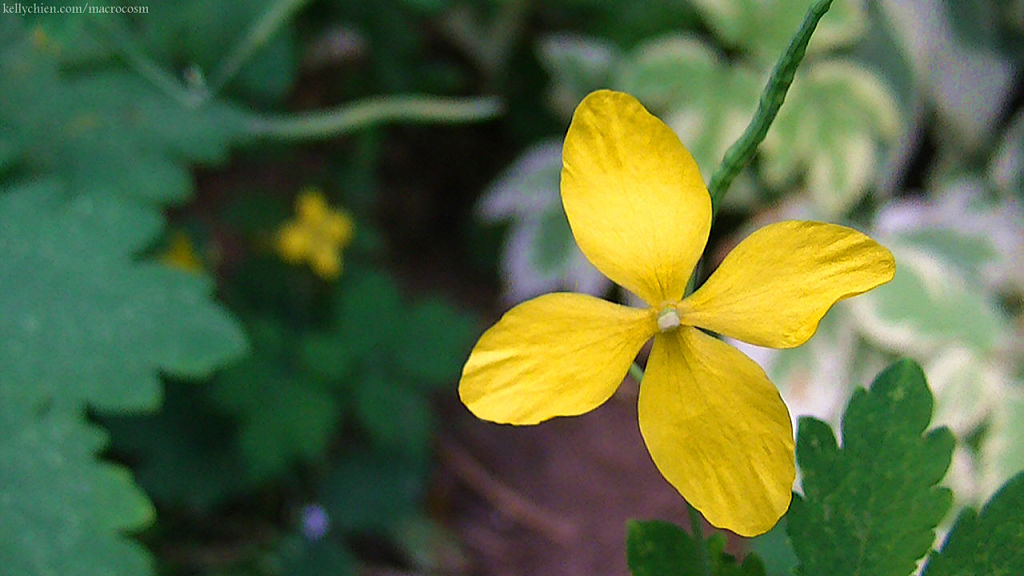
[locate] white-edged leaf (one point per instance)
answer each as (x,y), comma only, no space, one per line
(577,64)
(930,304)
(540,254)
(705,100)
(1003,451)
(968,83)
(837,117)
(765,27)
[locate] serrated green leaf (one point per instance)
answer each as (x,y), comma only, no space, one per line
(872,506)
(765,27)
(117,134)
(284,416)
(82,321)
(63,511)
(657,548)
(990,542)
(705,100)
(837,116)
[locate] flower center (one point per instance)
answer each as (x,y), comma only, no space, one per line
(668,319)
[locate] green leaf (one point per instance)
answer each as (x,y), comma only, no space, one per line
(872,506)
(836,118)
(117,134)
(657,548)
(775,550)
(990,543)
(765,27)
(81,320)
(285,416)
(63,511)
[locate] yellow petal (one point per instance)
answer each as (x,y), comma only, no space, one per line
(293,242)
(774,288)
(556,355)
(325,261)
(718,431)
(311,206)
(634,197)
(338,227)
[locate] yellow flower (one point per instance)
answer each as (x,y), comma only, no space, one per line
(317,235)
(714,424)
(180,253)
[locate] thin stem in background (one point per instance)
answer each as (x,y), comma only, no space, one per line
(112,35)
(373,111)
(255,38)
(742,151)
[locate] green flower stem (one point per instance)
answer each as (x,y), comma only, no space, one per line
(741,152)
(257,37)
(697,533)
(373,111)
(636,372)
(696,522)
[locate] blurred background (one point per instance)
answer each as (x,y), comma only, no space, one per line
(245,248)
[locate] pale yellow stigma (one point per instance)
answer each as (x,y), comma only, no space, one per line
(668,319)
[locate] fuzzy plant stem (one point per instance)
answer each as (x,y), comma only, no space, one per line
(373,111)
(742,151)
(256,37)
